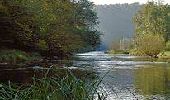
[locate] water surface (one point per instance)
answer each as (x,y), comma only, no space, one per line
(128,77)
(124,77)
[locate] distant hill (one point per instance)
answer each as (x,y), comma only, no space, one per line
(116,21)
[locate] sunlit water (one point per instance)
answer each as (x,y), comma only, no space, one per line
(126,78)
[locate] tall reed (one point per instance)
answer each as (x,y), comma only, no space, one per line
(52,88)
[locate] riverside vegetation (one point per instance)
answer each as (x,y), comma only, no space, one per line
(46,30)
(54,29)
(54,87)
(152,30)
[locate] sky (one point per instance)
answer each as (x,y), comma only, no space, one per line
(99,2)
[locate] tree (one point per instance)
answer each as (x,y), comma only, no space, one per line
(150,44)
(152,28)
(151,19)
(17,26)
(52,27)
(85,22)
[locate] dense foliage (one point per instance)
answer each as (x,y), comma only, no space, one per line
(51,27)
(152,28)
(151,19)
(149,44)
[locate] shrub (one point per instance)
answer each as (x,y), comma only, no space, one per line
(118,52)
(167,46)
(16,56)
(135,51)
(150,44)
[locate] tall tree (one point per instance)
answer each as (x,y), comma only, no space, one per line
(151,25)
(151,19)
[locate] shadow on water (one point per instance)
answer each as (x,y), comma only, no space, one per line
(24,74)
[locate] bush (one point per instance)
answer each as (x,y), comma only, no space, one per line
(16,56)
(118,52)
(149,44)
(167,48)
(137,52)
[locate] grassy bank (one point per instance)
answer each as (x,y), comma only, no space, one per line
(118,52)
(164,56)
(68,87)
(17,56)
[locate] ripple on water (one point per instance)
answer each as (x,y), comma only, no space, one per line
(124,72)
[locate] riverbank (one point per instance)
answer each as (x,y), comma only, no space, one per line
(51,87)
(163,56)
(94,75)
(117,52)
(41,81)
(12,56)
(21,59)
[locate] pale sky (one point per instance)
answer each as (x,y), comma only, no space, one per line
(122,1)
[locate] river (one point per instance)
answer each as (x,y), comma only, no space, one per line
(126,77)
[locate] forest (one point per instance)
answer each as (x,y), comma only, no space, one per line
(53,29)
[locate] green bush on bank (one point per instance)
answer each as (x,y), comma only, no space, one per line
(164,55)
(17,56)
(149,44)
(167,47)
(118,52)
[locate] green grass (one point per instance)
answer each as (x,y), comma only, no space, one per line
(165,54)
(52,88)
(118,52)
(16,56)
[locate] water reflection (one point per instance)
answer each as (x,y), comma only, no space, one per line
(129,77)
(153,81)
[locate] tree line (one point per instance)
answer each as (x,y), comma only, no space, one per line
(152,24)
(49,27)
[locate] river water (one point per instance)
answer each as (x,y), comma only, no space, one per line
(124,77)
(127,77)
